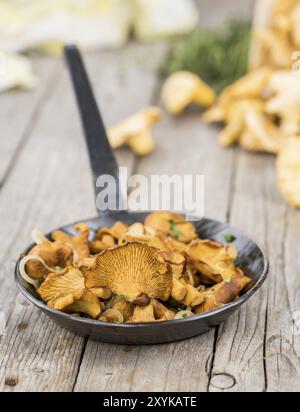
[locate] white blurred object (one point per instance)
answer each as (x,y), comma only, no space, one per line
(46,24)
(16,72)
(27,24)
(157,19)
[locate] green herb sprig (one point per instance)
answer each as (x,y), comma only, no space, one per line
(218,56)
(173,229)
(229,238)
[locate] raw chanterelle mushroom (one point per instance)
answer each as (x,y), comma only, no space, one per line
(288,172)
(183,88)
(134,271)
(261,111)
(135,131)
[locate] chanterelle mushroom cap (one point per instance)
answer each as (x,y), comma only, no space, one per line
(288,172)
(116,231)
(135,131)
(172,224)
(261,134)
(213,259)
(251,85)
(223,292)
(79,244)
(106,242)
(143,314)
(183,88)
(88,304)
(134,271)
(161,311)
(124,307)
(54,254)
(61,290)
(193,297)
(285,100)
(235,119)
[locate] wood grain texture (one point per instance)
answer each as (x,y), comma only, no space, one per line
(240,342)
(19,111)
(282,345)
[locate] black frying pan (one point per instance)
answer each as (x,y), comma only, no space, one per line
(250,256)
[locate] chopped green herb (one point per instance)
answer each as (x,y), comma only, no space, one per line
(184,315)
(174,231)
(124,297)
(229,238)
(219,56)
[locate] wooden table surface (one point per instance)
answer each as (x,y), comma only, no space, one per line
(45,182)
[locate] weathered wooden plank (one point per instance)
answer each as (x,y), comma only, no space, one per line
(50,185)
(19,111)
(282,346)
(35,195)
(259,346)
(238,362)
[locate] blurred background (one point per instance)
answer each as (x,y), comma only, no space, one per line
(32,26)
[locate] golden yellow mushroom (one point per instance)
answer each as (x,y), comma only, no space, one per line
(172,224)
(134,271)
(288,172)
(135,131)
(54,254)
(184,88)
(223,292)
(61,290)
(88,304)
(78,244)
(213,260)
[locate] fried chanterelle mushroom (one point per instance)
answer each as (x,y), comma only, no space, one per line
(171,224)
(154,271)
(134,271)
(61,290)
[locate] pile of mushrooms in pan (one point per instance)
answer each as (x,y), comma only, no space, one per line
(156,271)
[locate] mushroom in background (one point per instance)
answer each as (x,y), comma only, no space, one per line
(288,172)
(184,88)
(135,131)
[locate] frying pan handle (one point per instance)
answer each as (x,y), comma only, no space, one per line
(102,159)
